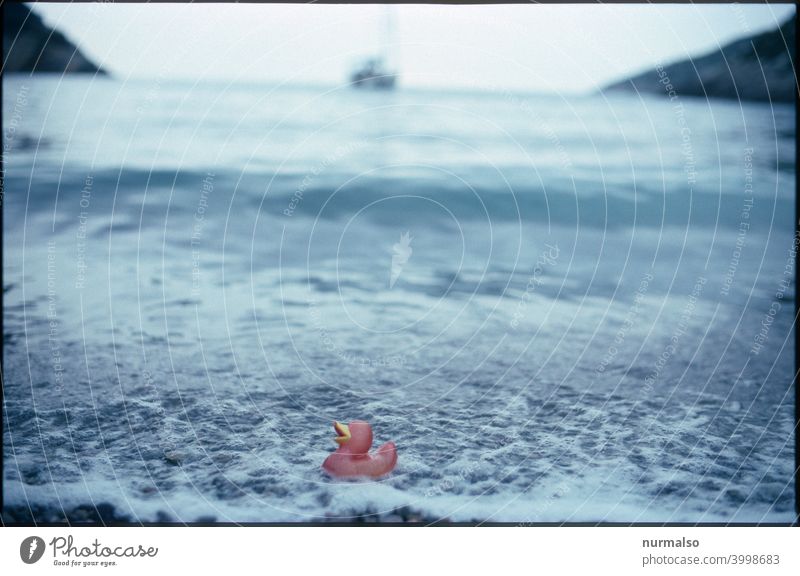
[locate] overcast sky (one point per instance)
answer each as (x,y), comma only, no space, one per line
(570,48)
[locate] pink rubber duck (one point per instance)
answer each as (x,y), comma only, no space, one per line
(353,457)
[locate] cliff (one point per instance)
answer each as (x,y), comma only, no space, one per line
(759,67)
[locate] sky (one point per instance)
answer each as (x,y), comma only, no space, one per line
(539,48)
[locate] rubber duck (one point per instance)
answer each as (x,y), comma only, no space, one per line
(352,458)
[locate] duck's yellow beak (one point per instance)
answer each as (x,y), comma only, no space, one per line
(342,431)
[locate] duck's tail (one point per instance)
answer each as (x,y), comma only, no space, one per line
(388,455)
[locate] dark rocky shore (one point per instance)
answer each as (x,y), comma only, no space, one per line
(31,46)
(755,68)
(100,514)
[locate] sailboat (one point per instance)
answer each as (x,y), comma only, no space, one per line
(376,72)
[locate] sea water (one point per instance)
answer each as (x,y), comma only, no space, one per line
(561,308)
